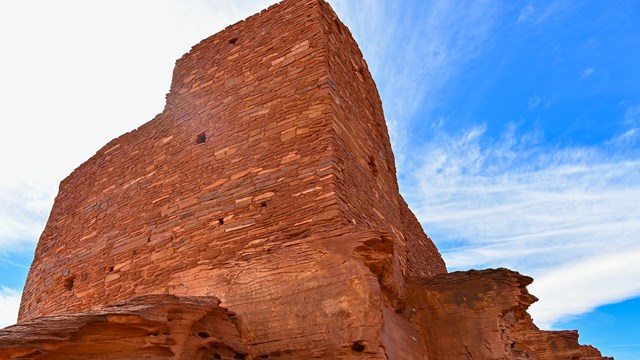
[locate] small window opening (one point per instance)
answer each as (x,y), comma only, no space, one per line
(263,205)
(201,138)
(221,221)
(357,346)
(110,269)
(203,334)
(373,167)
(233,41)
(68,283)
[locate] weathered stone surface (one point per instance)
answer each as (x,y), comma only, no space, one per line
(483,315)
(588,352)
(268,182)
(149,327)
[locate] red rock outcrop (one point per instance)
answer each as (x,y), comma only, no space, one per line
(149,327)
(483,315)
(268,182)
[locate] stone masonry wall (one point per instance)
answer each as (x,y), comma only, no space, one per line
(367,173)
(243,176)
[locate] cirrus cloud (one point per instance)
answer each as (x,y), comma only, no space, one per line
(9,303)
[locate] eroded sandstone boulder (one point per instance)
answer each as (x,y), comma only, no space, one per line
(148,327)
(483,315)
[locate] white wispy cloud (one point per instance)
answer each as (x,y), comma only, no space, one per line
(630,134)
(554,10)
(23,212)
(587,73)
(534,102)
(628,138)
(579,287)
(525,13)
(516,203)
(632,115)
(9,304)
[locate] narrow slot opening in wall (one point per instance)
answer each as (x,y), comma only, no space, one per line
(263,205)
(201,138)
(357,347)
(221,221)
(233,41)
(110,269)
(68,283)
(373,167)
(203,334)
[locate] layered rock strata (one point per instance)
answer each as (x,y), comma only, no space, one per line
(267,182)
(483,315)
(148,327)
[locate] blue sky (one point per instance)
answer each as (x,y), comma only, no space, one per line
(516,127)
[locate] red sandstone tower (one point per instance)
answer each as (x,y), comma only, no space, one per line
(268,182)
